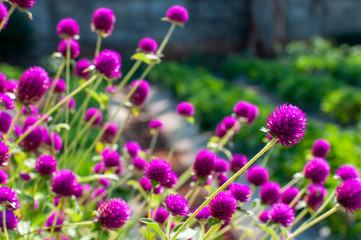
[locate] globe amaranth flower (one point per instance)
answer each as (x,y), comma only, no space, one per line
(270,193)
(321,148)
(264,216)
(113,214)
(80,67)
(155,124)
(132,148)
(223,206)
(176,205)
(99,168)
(93,115)
(12,85)
(110,89)
(222,178)
(348,194)
(146,184)
(246,110)
(317,170)
(71,103)
(178,14)
(9,195)
(111,158)
(288,124)
(289,194)
(54,141)
(25,176)
(108,63)
(158,170)
(347,172)
(24,3)
(67,28)
(161,215)
(5,122)
(185,109)
(30,110)
(74,48)
(3,177)
(139,163)
(105,182)
(64,183)
(148,45)
(172,181)
(204,164)
(283,214)
(7,101)
(240,192)
(11,220)
(4,153)
(141,92)
(103,20)
(55,219)
(58,85)
(33,140)
(221,165)
(315,196)
(257,175)
(226,125)
(110,133)
(237,162)
(3,14)
(203,214)
(32,85)
(99,193)
(46,165)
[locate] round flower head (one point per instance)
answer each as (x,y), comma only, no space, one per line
(139,163)
(99,193)
(264,216)
(46,165)
(288,124)
(172,180)
(108,63)
(237,162)
(283,214)
(348,194)
(12,85)
(32,85)
(161,215)
(11,220)
(155,124)
(5,122)
(32,141)
(110,133)
(186,109)
(31,110)
(111,158)
(25,176)
(99,168)
(317,170)
(221,165)
(113,214)
(4,153)
(3,177)
(3,14)
(270,193)
(56,218)
(105,182)
(347,172)
(246,110)
(81,65)
(74,48)
(64,183)
(148,45)
(7,101)
(241,192)
(257,175)
(141,93)
(94,115)
(132,148)
(176,205)
(110,89)
(146,184)
(203,214)
(228,122)
(71,103)
(67,28)
(9,195)
(103,20)
(24,3)
(29,121)
(55,140)
(158,170)
(204,164)
(223,206)
(315,196)
(289,194)
(222,178)
(177,13)
(320,148)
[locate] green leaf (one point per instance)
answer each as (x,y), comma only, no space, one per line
(141,56)
(190,120)
(185,234)
(269,230)
(95,177)
(154,225)
(144,232)
(135,111)
(213,221)
(214,139)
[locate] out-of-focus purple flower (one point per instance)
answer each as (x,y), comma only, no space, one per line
(178,14)
(71,103)
(158,190)
(46,165)
(289,194)
(348,194)
(29,121)
(185,109)
(315,196)
(9,195)
(60,85)
(204,164)
(172,181)
(95,115)
(32,141)
(321,148)
(55,140)
(67,28)
(237,162)
(146,184)
(103,20)
(222,178)
(317,170)
(221,165)
(347,172)
(99,168)
(203,214)
(99,193)
(241,192)
(270,193)
(56,218)
(4,153)
(64,183)
(5,122)
(177,205)
(223,206)
(74,48)
(7,101)
(111,158)
(81,65)
(110,133)
(141,93)
(24,3)
(139,163)
(3,14)
(25,176)
(113,214)
(132,148)
(12,85)
(264,216)
(257,175)
(110,89)
(11,220)
(148,45)
(108,63)
(3,177)
(246,110)
(155,124)
(30,110)
(158,170)
(105,182)
(283,214)
(161,215)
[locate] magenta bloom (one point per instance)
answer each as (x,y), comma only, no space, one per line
(24,3)
(74,48)
(113,214)
(289,194)
(99,193)
(11,220)
(31,110)
(148,45)
(139,163)
(264,216)
(32,85)
(146,184)
(204,164)
(103,20)
(158,170)
(246,110)
(5,122)
(141,93)
(110,133)
(95,115)
(221,165)
(25,176)
(56,217)
(155,124)
(237,162)
(9,195)
(176,205)
(71,103)
(321,148)
(81,65)
(7,101)
(4,153)
(99,168)
(132,148)
(177,13)
(315,196)
(257,175)
(55,139)
(288,124)
(12,85)
(32,141)
(46,165)
(240,192)
(158,190)
(3,177)
(172,181)
(222,178)
(223,206)
(283,214)
(186,109)
(111,158)
(317,170)
(161,215)
(64,183)
(227,124)
(108,63)
(67,28)
(347,172)
(270,193)
(203,214)
(348,194)
(3,13)
(105,182)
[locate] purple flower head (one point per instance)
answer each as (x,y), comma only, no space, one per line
(204,164)
(146,184)
(176,205)
(148,45)
(348,194)
(317,170)
(257,175)
(60,85)
(46,165)
(141,93)
(29,121)
(99,168)
(315,196)
(3,13)
(11,220)
(139,163)
(105,182)
(321,148)
(31,110)
(4,153)
(56,218)
(32,141)
(288,124)
(221,131)
(32,85)
(3,177)
(347,172)
(110,133)
(171,181)
(178,14)
(203,214)
(155,124)
(161,215)
(113,214)
(25,176)
(24,3)
(222,178)
(270,193)
(74,48)
(7,101)
(64,183)
(246,110)
(283,214)
(228,122)
(67,28)
(158,190)
(132,148)
(81,65)
(108,63)
(264,216)
(111,158)
(54,140)
(158,170)
(110,89)
(5,122)
(94,115)
(240,192)
(71,103)
(103,20)
(223,206)
(12,85)
(289,194)
(186,109)
(99,193)
(9,195)
(2,76)
(237,162)
(221,165)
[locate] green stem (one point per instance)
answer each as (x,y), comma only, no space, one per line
(177,138)
(11,10)
(129,75)
(254,220)
(4,222)
(67,77)
(203,229)
(15,119)
(183,178)
(301,215)
(57,215)
(99,42)
(205,203)
(197,189)
(52,89)
(57,226)
(210,232)
(119,133)
(150,208)
(166,39)
(152,144)
(299,195)
(290,183)
(169,224)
